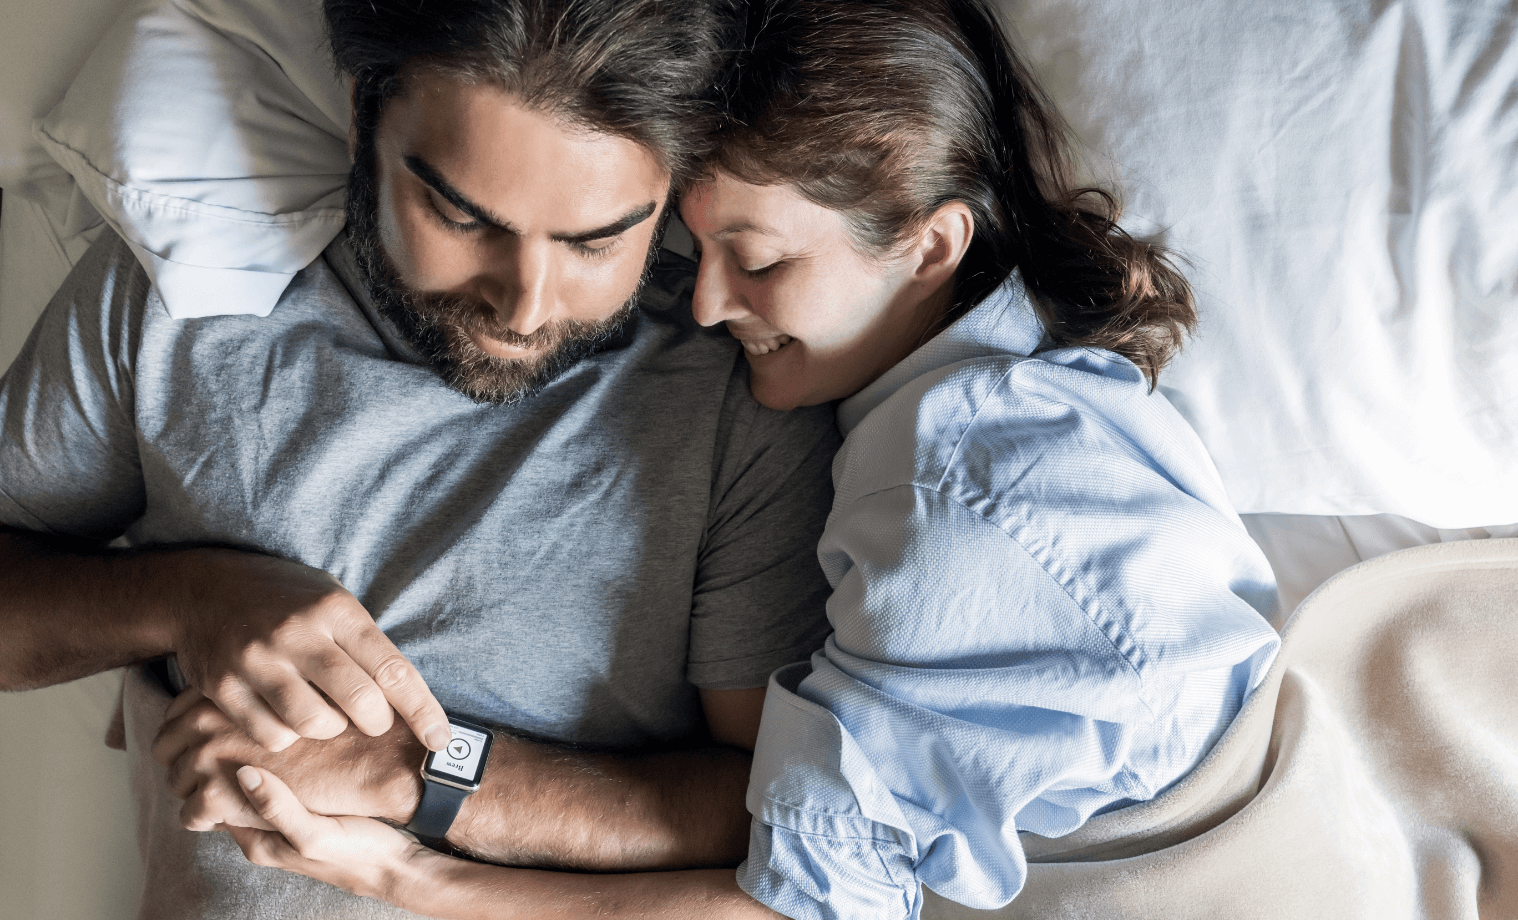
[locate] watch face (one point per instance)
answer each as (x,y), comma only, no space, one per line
(462,762)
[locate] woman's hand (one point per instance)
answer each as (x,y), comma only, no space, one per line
(359,855)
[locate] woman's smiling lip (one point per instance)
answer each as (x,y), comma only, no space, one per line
(765,345)
(758,338)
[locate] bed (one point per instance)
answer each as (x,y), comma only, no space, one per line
(1340,176)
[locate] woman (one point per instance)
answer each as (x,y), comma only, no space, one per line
(1043,606)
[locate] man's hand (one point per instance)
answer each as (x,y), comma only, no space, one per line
(352,774)
(257,632)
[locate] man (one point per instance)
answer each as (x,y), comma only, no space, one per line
(565,510)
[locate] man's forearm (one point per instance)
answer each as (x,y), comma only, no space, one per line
(546,806)
(465,891)
(69,610)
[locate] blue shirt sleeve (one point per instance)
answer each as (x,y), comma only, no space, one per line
(987,678)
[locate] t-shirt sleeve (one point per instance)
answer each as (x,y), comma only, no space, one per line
(760,594)
(68,441)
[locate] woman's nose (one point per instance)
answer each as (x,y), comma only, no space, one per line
(715,300)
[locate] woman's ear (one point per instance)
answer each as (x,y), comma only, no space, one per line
(944,241)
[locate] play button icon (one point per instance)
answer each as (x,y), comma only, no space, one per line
(462,758)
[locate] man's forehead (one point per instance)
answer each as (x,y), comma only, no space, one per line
(508,157)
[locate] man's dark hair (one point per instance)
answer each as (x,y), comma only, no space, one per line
(639,69)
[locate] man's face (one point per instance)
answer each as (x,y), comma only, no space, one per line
(504,243)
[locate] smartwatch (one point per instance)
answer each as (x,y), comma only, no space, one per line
(448,777)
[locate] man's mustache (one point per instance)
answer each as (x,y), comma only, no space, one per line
(481,320)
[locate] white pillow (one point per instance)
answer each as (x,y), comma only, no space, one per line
(1344,183)
(212,136)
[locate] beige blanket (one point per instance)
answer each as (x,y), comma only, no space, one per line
(1374,774)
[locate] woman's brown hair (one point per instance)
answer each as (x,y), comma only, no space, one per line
(886,110)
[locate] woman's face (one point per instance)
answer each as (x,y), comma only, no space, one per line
(818,320)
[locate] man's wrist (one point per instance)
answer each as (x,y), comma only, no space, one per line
(473,824)
(176,609)
(402,782)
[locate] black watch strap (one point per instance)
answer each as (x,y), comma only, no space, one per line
(440,805)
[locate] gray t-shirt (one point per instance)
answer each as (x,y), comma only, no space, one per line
(575,565)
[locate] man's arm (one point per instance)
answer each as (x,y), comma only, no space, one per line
(371,860)
(554,807)
(252,631)
(69,610)
(539,804)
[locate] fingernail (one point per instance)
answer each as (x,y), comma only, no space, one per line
(437,737)
(249,778)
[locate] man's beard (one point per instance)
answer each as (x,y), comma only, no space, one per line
(439,326)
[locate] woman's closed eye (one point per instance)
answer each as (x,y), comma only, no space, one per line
(755,273)
(760,272)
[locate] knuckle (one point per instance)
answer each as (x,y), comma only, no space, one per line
(201,762)
(269,811)
(328,658)
(337,604)
(393,672)
(195,814)
(225,687)
(176,780)
(283,696)
(212,800)
(288,632)
(161,750)
(367,698)
(207,719)
(320,725)
(257,852)
(264,852)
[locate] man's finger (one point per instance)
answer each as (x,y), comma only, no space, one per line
(186,730)
(182,704)
(248,711)
(186,774)
(401,683)
(297,704)
(353,690)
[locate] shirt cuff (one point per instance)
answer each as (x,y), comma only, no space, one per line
(814,877)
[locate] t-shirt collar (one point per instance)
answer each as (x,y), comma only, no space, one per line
(1003,323)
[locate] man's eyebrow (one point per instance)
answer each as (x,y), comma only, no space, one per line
(616,228)
(424,171)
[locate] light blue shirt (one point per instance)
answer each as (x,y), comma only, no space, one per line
(1043,607)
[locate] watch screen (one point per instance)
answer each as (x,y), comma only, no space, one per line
(463,760)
